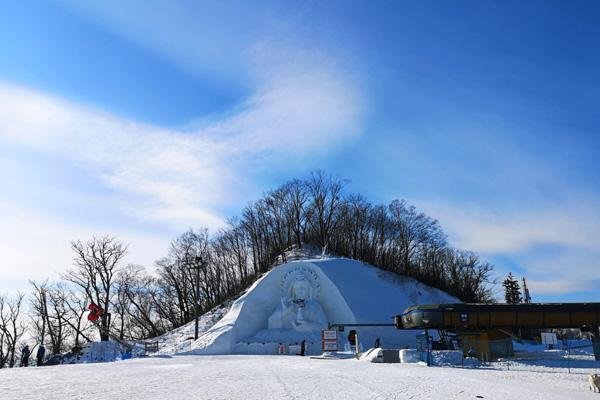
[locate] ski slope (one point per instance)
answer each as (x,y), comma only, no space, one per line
(251,377)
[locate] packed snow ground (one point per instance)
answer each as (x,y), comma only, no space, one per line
(251,377)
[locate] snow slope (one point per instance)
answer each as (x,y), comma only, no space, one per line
(180,339)
(349,292)
(376,296)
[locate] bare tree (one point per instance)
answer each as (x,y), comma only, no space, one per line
(12,328)
(39,309)
(50,314)
(176,280)
(76,307)
(136,305)
(96,263)
(325,193)
(296,202)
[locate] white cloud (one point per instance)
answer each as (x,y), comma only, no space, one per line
(176,178)
(214,40)
(489,231)
(184,177)
(560,286)
(37,246)
(163,169)
(302,103)
(554,243)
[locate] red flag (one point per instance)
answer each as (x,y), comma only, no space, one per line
(95,312)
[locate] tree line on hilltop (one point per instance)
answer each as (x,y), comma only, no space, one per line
(314,211)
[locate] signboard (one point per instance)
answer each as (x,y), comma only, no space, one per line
(151,347)
(330,346)
(329,338)
(329,334)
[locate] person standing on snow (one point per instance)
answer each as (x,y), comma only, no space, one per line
(303,348)
(471,353)
(25,353)
(41,352)
(377,343)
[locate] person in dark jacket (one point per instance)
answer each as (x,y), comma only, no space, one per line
(303,348)
(41,352)
(25,353)
(377,343)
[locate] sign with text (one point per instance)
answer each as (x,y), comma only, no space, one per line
(329,334)
(151,347)
(329,339)
(330,346)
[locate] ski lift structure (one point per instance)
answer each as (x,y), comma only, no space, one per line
(488,327)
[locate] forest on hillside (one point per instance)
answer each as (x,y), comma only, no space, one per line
(314,211)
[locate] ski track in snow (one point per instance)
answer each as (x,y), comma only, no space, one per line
(248,377)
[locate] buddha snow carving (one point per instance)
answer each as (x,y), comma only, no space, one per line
(298,311)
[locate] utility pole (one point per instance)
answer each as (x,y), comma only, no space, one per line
(197,264)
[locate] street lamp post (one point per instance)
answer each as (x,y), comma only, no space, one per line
(198,263)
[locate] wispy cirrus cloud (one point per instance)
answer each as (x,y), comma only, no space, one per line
(298,103)
(183,178)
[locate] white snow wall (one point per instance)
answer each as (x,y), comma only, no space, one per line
(249,314)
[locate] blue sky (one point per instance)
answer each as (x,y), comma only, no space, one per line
(146,118)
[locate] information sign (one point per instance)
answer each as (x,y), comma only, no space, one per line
(329,334)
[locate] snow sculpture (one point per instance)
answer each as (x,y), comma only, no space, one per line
(298,311)
(289,304)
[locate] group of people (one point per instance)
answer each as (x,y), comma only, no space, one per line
(26,353)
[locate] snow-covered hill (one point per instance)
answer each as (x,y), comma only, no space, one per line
(339,291)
